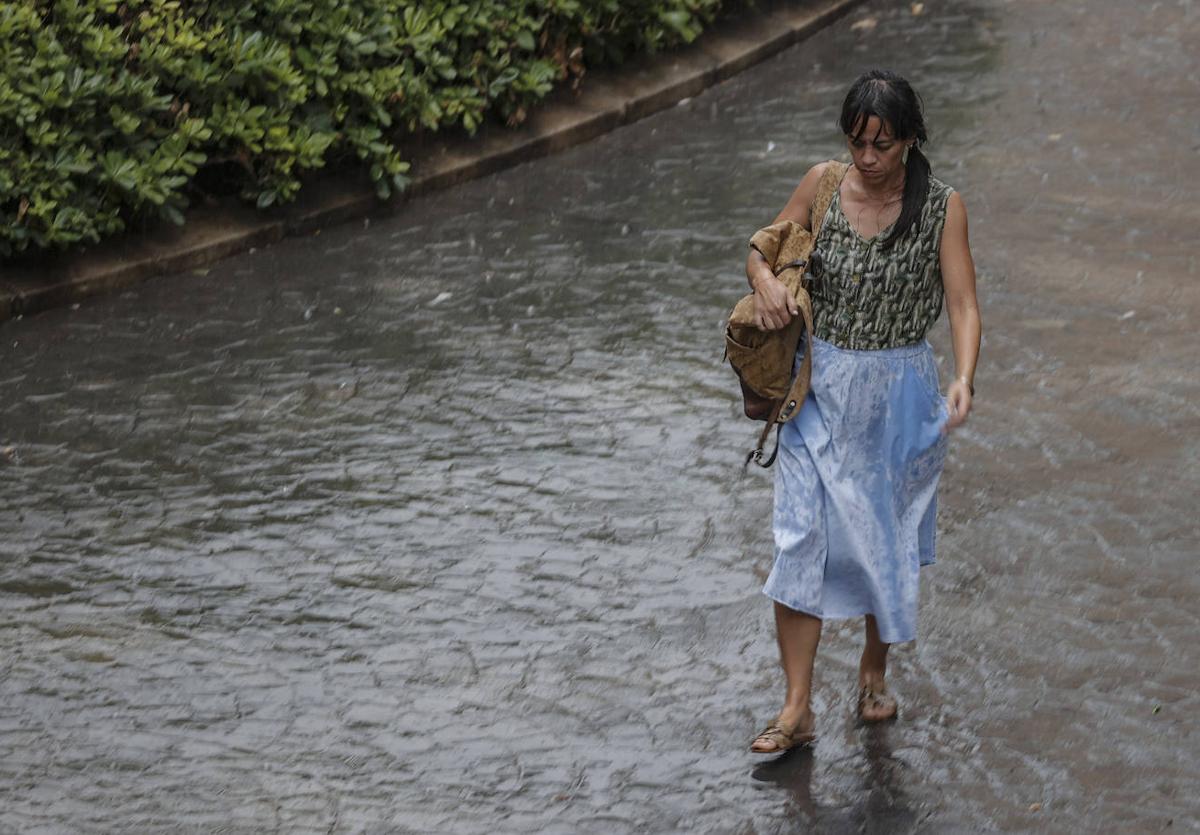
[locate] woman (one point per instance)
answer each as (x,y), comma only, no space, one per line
(858,467)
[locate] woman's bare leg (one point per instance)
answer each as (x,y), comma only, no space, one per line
(798,636)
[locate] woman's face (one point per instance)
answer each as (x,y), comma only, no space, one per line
(877,154)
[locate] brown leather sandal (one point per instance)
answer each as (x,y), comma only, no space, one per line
(870,698)
(783,738)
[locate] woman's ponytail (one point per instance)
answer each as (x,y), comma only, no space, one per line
(916,189)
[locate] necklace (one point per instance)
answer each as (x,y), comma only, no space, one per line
(861,250)
(879,227)
(890,200)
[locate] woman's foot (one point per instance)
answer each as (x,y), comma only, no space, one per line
(791,728)
(875,704)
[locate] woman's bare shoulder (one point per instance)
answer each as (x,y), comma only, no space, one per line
(797,207)
(814,174)
(820,168)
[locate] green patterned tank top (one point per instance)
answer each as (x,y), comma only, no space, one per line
(866,297)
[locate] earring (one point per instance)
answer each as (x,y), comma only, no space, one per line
(904,156)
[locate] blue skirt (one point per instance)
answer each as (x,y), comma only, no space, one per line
(856,487)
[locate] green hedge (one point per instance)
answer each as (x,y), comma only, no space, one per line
(121,111)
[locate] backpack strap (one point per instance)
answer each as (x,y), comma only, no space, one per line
(783,411)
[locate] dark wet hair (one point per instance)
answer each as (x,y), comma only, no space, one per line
(885,94)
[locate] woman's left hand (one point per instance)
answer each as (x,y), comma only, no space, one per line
(958,401)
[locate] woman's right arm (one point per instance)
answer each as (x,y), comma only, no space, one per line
(774,306)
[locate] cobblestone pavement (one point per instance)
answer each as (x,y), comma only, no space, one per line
(433,525)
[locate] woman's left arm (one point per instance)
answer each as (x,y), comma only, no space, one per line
(958,279)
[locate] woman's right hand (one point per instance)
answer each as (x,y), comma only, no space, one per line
(774,306)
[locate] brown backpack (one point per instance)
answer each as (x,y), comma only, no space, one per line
(763,359)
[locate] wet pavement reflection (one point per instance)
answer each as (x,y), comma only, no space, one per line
(433,524)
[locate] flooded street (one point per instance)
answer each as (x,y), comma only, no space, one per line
(434,524)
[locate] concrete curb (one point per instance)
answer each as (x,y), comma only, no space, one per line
(607,99)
